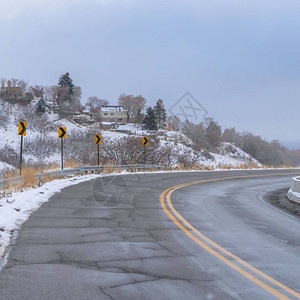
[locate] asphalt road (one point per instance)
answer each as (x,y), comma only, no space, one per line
(120,238)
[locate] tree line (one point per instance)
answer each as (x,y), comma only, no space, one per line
(64,98)
(208,135)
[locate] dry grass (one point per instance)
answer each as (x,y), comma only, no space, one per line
(29,178)
(29,175)
(280,167)
(248,166)
(50,178)
(201,168)
(181,167)
(108,168)
(196,167)
(71,164)
(50,167)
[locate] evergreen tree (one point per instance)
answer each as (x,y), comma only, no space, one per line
(66,81)
(160,114)
(68,96)
(149,121)
(41,105)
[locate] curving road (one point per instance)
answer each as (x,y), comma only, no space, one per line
(192,235)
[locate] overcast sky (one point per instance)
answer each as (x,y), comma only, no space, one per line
(239,59)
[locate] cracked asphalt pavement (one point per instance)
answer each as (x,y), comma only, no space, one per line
(110,238)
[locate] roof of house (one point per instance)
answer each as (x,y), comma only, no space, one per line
(112,108)
(108,123)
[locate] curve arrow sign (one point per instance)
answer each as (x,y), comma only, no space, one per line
(62,132)
(22,128)
(98,139)
(145,141)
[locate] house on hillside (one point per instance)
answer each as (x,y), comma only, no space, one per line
(114,115)
(13,90)
(15,94)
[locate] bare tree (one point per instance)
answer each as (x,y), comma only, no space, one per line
(3,82)
(14,82)
(213,133)
(37,90)
(50,93)
(4,114)
(132,104)
(94,105)
(197,133)
(23,85)
(174,123)
(229,135)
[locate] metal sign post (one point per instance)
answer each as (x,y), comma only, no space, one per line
(22,132)
(62,134)
(62,153)
(98,142)
(145,142)
(21,153)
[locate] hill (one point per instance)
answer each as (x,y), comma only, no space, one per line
(120,146)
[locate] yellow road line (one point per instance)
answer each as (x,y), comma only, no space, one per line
(221,257)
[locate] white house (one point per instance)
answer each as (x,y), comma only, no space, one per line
(113,114)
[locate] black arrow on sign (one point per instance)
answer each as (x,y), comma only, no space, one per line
(23,128)
(145,141)
(98,139)
(63,132)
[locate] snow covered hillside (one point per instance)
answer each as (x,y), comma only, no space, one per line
(38,128)
(229,156)
(42,146)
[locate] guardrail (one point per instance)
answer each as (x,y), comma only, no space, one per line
(294,192)
(80,170)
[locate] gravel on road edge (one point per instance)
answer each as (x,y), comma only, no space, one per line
(278,198)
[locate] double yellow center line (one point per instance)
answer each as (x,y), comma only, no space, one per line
(208,244)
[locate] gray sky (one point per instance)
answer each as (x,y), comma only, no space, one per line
(239,59)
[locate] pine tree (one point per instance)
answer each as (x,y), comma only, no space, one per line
(41,105)
(66,95)
(160,114)
(149,121)
(66,81)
